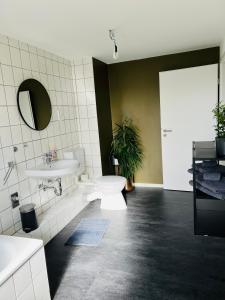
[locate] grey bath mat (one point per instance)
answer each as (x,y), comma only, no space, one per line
(89,232)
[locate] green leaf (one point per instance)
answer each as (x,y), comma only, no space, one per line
(219,115)
(127,147)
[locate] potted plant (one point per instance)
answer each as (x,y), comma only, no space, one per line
(219,114)
(127,148)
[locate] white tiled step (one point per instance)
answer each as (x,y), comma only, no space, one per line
(57,217)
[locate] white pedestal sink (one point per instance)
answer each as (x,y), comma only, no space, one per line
(55,169)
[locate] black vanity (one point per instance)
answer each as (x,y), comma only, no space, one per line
(209,210)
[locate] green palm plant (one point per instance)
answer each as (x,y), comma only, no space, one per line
(127,148)
(219,115)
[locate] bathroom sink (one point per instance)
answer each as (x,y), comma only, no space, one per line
(58,168)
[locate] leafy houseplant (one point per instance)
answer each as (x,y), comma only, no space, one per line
(219,114)
(127,148)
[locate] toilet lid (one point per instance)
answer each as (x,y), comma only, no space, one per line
(111,179)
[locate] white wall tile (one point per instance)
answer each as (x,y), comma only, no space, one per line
(92,111)
(19,154)
(25,59)
(2,95)
(18,76)
(37,263)
(80,85)
(10,94)
(79,72)
(14,117)
(5,54)
(89,84)
(27,74)
(13,42)
(1,160)
(7,75)
(29,151)
(7,291)
(88,70)
(21,167)
(81,98)
(5,136)
(41,288)
(42,64)
(6,219)
(78,61)
(23,46)
(93,124)
(27,294)
(15,57)
(4,117)
(22,279)
(90,98)
(5,200)
(2,175)
(16,134)
(1,78)
(49,67)
(34,62)
(32,49)
(87,60)
(4,39)
(83,111)
(26,133)
(37,148)
(24,188)
(16,217)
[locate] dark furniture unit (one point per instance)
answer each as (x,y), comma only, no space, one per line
(209,211)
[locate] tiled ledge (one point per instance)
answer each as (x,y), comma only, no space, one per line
(57,217)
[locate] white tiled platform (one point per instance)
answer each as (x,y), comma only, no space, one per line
(57,217)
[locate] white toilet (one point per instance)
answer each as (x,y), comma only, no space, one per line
(109,190)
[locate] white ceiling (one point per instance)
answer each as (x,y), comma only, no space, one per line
(144,28)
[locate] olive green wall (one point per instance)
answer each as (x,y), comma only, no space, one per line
(134,93)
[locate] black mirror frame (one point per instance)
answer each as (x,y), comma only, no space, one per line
(18,106)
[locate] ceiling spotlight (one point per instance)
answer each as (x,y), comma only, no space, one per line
(113,38)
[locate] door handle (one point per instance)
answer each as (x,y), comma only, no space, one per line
(167,130)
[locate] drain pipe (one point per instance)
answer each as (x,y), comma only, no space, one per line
(58,192)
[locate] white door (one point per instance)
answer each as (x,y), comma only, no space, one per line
(187,97)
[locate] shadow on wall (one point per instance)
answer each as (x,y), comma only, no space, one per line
(104,114)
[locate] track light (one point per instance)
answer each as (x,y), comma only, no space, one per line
(113,38)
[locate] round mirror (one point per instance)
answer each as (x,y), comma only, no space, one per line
(34,104)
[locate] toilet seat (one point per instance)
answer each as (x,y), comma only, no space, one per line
(110,183)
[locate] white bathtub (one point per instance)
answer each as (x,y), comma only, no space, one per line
(15,251)
(22,268)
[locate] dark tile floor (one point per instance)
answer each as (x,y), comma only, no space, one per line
(148,252)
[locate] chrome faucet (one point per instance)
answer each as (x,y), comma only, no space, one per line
(48,158)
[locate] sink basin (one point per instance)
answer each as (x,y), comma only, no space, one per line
(58,168)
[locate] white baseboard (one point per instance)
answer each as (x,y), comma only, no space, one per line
(158,185)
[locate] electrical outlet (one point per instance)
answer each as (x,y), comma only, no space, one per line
(15,200)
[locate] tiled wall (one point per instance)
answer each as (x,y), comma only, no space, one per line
(83,80)
(71,89)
